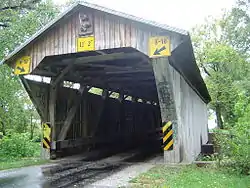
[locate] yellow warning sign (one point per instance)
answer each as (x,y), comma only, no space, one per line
(86,44)
(159,46)
(22,65)
(46,135)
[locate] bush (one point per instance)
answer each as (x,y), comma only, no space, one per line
(18,145)
(234,149)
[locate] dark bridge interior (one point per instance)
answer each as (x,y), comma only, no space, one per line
(114,95)
(106,98)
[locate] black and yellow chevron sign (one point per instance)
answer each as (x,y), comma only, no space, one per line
(46,135)
(168,141)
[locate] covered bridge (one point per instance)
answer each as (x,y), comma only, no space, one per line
(109,79)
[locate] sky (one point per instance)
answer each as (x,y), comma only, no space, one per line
(183,14)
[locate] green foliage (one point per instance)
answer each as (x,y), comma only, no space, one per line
(23,24)
(12,112)
(16,110)
(222,52)
(235,145)
(18,145)
(234,149)
(189,176)
(226,69)
(212,157)
(236,27)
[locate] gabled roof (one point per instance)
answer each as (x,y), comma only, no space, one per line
(77,6)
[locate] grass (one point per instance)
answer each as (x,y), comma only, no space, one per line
(21,163)
(189,177)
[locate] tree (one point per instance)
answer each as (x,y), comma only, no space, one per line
(9,9)
(21,20)
(23,24)
(235,27)
(225,68)
(223,54)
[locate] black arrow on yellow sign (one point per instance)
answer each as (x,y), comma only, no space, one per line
(21,69)
(158,51)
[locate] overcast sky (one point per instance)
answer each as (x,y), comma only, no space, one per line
(183,14)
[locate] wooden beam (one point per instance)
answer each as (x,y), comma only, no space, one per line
(129,80)
(97,58)
(131,71)
(100,112)
(117,66)
(62,74)
(43,73)
(85,115)
(52,117)
(71,114)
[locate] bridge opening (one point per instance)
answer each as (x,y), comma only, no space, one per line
(100,100)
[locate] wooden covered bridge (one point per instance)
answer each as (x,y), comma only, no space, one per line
(112,79)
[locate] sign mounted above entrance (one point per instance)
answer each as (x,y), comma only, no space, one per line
(85,44)
(159,46)
(22,65)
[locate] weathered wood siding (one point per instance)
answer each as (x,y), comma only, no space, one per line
(109,31)
(192,118)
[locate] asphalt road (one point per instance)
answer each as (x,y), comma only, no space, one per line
(23,177)
(63,175)
(73,172)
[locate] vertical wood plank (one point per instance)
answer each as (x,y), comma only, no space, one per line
(73,33)
(65,37)
(122,33)
(106,31)
(97,32)
(52,42)
(127,35)
(111,33)
(60,39)
(102,35)
(32,57)
(56,41)
(133,36)
(47,45)
(52,115)
(43,47)
(117,37)
(69,36)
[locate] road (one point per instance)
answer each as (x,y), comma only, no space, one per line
(22,177)
(72,172)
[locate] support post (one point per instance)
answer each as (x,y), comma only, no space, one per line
(134,101)
(85,114)
(121,112)
(104,96)
(168,110)
(52,114)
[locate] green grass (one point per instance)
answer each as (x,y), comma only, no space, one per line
(190,177)
(21,163)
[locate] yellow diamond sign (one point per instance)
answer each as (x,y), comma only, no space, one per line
(22,65)
(159,46)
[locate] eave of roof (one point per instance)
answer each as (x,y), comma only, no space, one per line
(96,7)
